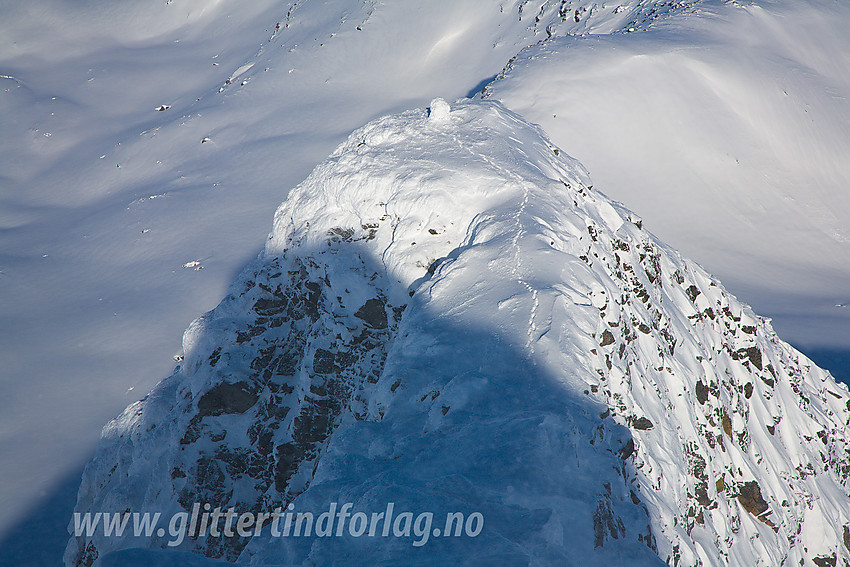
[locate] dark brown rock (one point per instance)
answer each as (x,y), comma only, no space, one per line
(751,499)
(227,398)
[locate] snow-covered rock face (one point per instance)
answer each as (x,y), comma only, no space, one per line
(700,123)
(448,317)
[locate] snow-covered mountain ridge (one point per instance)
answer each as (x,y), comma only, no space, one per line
(728,121)
(121,222)
(448,315)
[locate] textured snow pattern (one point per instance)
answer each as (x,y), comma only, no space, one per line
(449,317)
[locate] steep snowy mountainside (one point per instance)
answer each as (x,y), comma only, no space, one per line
(143,146)
(447,317)
(729,129)
(306,334)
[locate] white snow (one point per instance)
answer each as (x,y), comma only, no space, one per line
(439,110)
(552,323)
(95,300)
(728,130)
(103,199)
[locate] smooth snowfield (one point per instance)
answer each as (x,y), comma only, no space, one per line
(448,318)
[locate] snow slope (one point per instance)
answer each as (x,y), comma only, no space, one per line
(110,207)
(728,128)
(446,317)
(122,222)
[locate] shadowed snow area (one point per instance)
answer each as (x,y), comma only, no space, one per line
(145,143)
(448,318)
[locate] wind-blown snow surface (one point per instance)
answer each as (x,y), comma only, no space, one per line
(728,128)
(446,317)
(121,222)
(110,207)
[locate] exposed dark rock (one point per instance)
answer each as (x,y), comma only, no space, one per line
(270,306)
(313,425)
(642,423)
(726,423)
(212,489)
(288,457)
(754,354)
(227,398)
(432,267)
(323,362)
(693,292)
(628,449)
(373,314)
(88,556)
(340,234)
(192,432)
(311,302)
(825,561)
(749,495)
(606,524)
(264,441)
(702,392)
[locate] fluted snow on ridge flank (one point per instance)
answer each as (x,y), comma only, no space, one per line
(447,317)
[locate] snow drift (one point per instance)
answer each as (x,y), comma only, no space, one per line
(448,316)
